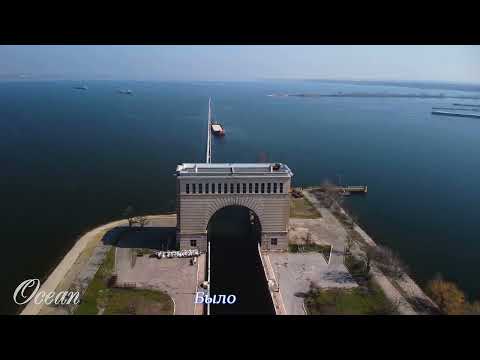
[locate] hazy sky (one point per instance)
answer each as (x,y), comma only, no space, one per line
(419,62)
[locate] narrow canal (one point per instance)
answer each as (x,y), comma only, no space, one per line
(236,267)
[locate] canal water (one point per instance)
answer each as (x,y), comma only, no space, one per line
(236,267)
(72,159)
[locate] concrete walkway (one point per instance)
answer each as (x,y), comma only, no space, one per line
(412,291)
(275,292)
(201,277)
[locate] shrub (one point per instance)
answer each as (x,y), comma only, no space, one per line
(449,298)
(111,281)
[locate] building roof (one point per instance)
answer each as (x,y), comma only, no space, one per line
(233,169)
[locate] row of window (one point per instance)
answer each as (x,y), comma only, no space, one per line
(244,188)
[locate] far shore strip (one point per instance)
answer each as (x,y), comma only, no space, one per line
(56,277)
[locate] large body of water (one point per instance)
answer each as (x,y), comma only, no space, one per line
(73,159)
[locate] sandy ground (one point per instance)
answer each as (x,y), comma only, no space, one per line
(77,258)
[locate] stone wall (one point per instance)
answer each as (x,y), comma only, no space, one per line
(196,210)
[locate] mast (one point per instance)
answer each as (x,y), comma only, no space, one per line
(209,133)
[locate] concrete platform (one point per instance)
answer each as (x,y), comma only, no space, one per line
(295,272)
(176,277)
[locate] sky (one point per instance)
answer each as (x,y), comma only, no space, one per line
(253,62)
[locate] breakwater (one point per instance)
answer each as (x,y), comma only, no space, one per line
(445,113)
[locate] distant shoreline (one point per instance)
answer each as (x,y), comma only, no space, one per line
(381,95)
(413,84)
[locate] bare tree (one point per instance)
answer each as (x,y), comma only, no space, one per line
(367,261)
(387,260)
(141,220)
(128,214)
(331,195)
(351,221)
(308,239)
(348,245)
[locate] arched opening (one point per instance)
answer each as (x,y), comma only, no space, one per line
(234,233)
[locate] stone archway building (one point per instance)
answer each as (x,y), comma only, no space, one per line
(203,189)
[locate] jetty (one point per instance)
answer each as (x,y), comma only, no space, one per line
(469,105)
(447,113)
(454,109)
(351,189)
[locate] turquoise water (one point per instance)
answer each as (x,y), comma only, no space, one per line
(73,159)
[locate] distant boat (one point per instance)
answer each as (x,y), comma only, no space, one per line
(217,129)
(83,87)
(126,92)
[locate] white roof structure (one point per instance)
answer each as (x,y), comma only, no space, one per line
(236,169)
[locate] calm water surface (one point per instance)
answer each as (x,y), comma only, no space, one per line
(73,159)
(236,267)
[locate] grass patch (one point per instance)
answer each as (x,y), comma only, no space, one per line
(368,300)
(302,208)
(89,301)
(137,302)
(120,301)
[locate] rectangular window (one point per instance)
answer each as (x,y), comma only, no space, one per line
(269,188)
(225,188)
(275,188)
(281,188)
(238,188)
(193,243)
(262,188)
(250,188)
(273,241)
(194,188)
(213,188)
(231,189)
(200,188)
(187,188)
(207,188)
(219,188)
(244,188)
(256,188)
